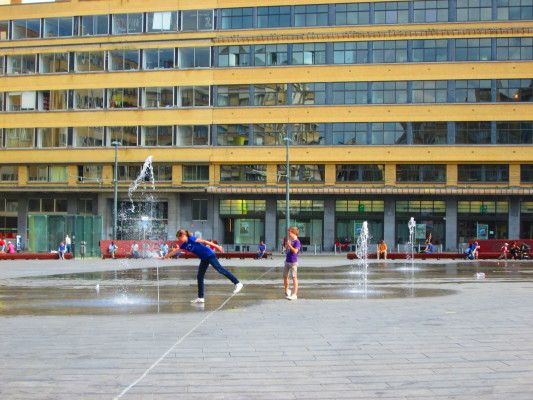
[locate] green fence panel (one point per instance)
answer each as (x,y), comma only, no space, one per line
(38,234)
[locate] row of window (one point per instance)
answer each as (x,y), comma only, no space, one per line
(369,13)
(274,94)
(305,134)
(345,173)
(331,53)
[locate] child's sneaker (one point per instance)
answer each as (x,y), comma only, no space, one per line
(293,297)
(238,287)
(198,300)
(288,294)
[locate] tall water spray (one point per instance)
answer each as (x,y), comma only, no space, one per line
(361,251)
(412,227)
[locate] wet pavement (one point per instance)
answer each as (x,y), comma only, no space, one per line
(107,329)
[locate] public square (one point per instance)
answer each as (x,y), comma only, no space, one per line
(124,329)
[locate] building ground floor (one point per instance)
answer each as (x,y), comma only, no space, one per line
(241,221)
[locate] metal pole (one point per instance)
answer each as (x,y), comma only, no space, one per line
(115,195)
(287,187)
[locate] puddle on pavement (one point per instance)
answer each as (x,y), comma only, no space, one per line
(169,289)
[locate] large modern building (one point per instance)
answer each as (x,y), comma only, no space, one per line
(383,110)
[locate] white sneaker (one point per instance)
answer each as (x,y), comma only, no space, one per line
(238,287)
(293,297)
(288,293)
(198,300)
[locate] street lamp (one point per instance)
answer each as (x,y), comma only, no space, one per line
(115,189)
(287,184)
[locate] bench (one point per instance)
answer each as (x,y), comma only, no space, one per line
(32,256)
(483,255)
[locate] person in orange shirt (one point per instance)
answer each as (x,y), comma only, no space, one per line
(382,250)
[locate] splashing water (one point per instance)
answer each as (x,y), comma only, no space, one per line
(361,251)
(412,226)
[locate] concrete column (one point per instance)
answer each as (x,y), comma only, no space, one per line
(270,225)
(451,224)
(514,218)
(22,221)
(389,224)
(104,208)
(328,240)
(173,216)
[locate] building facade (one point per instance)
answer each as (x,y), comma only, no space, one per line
(384,110)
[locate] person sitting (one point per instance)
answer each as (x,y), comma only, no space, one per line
(112,249)
(469,252)
(10,248)
(429,248)
(524,251)
(135,250)
(514,250)
(382,250)
(163,249)
(62,250)
(261,250)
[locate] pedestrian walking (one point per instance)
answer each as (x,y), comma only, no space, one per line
(292,248)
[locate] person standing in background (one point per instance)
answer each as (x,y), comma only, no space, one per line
(67,243)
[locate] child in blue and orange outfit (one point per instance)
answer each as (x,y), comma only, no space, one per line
(292,247)
(199,247)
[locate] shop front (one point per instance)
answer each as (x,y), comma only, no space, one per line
(430,219)
(244,222)
(482,220)
(308,216)
(349,218)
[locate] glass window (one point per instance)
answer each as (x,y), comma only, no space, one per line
(308,53)
(389,92)
(350,93)
(430,11)
(473,91)
(162,173)
(390,51)
(514,49)
(350,53)
(312,15)
(308,134)
(26,28)
(430,50)
(194,96)
(197,20)
(158,58)
(89,173)
(156,136)
(89,61)
(350,133)
(233,56)
(514,90)
(2,65)
(1,109)
(514,132)
(270,54)
(388,133)
(430,133)
(193,135)
(194,173)
(9,173)
(52,63)
(52,100)
(241,207)
(471,173)
(21,64)
(4,30)
(242,173)
(129,172)
(302,173)
(430,91)
(269,134)
(352,14)
(48,173)
(308,93)
(472,132)
(273,17)
(233,135)
(58,27)
(88,136)
(123,60)
(359,173)
(236,18)
(194,57)
(127,135)
(125,24)
(474,10)
(273,94)
(123,98)
(199,209)
(526,175)
(21,101)
(233,95)
(473,50)
(420,173)
(52,137)
(509,10)
(19,138)
(88,99)
(158,97)
(163,21)
(92,25)
(391,12)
